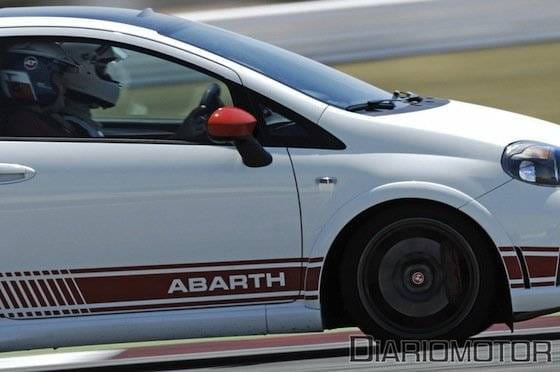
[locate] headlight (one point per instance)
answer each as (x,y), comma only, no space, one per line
(532,162)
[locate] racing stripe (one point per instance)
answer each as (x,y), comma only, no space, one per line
(55,292)
(49,297)
(513,267)
(39,293)
(65,292)
(17,293)
(72,292)
(29,293)
(10,295)
(542,264)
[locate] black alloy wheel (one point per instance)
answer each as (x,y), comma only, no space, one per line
(418,275)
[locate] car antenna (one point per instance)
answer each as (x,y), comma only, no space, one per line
(146,13)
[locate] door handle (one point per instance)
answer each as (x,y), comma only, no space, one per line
(12,173)
(326,180)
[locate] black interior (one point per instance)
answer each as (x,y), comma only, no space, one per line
(145,129)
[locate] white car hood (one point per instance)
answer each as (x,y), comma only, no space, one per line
(479,123)
(453,129)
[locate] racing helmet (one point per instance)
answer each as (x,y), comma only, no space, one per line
(27,71)
(90,83)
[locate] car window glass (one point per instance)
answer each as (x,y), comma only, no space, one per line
(93,90)
(278,125)
(153,88)
(303,74)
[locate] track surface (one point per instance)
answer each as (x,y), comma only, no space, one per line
(366,32)
(299,352)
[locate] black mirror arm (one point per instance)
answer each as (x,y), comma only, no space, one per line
(252,153)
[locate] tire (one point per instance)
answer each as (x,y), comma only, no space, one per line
(418,274)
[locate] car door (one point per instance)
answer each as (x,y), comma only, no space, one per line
(141,220)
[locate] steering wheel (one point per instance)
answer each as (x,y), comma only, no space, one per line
(194,128)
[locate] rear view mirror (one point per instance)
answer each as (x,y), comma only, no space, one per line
(232,124)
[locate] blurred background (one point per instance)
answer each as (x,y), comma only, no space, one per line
(501,53)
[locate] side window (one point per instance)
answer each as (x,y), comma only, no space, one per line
(95,90)
(277,125)
(280,127)
(153,88)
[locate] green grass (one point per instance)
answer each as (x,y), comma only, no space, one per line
(524,79)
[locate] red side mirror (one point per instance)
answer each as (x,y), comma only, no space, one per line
(231,123)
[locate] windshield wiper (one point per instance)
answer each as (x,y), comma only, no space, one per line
(387,104)
(383,104)
(407,97)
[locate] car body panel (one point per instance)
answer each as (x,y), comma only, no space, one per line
(99,194)
(113,227)
(146,326)
(385,162)
(535,233)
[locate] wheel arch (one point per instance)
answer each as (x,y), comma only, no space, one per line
(330,299)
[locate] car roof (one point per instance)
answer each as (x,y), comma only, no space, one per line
(147,18)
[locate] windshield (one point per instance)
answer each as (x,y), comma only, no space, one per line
(303,74)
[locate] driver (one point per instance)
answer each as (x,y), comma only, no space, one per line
(91,87)
(31,77)
(53,91)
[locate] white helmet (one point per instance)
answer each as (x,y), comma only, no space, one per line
(89,82)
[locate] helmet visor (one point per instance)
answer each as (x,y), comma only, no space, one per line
(17,85)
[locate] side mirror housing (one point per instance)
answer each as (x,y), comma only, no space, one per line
(232,124)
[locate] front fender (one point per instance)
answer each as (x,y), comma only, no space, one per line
(405,190)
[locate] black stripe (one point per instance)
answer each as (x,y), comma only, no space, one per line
(523,267)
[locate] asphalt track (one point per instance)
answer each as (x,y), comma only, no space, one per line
(297,352)
(361,29)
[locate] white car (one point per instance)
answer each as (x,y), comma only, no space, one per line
(201,183)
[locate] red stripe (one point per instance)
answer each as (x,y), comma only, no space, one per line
(75,291)
(156,286)
(65,292)
(517,285)
(513,268)
(44,286)
(4,301)
(18,294)
(10,295)
(190,265)
(28,293)
(57,294)
(539,249)
(37,292)
(312,279)
(540,266)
